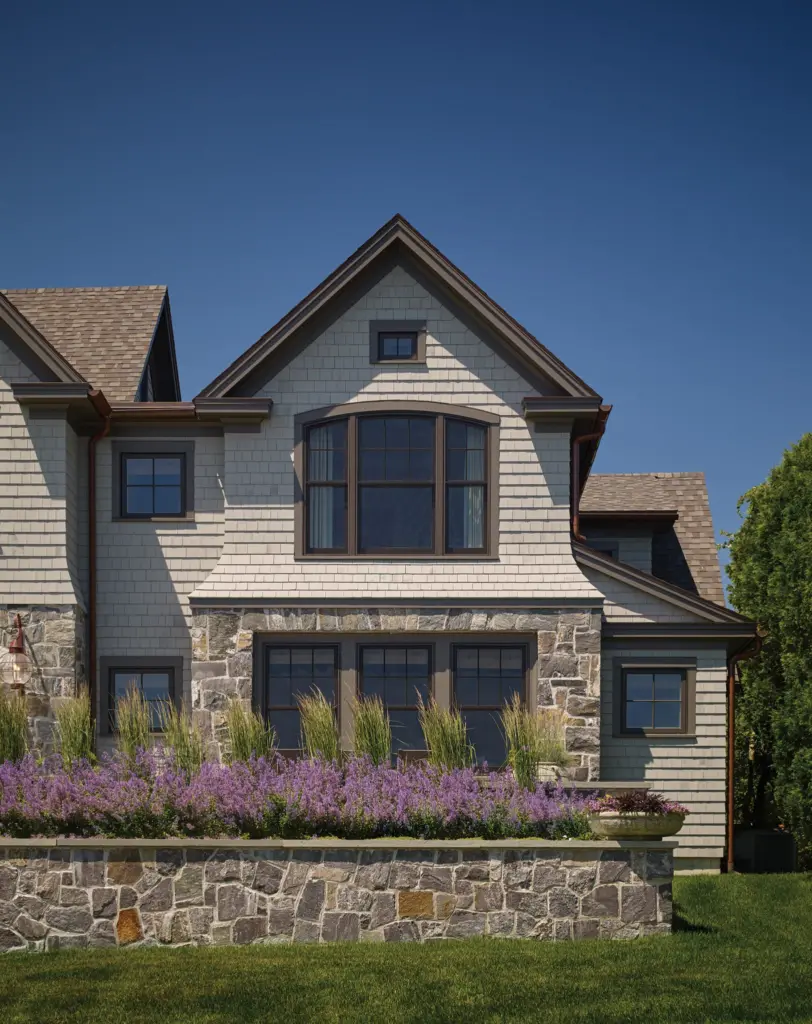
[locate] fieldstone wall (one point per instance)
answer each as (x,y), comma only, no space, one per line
(55,641)
(68,895)
(568,662)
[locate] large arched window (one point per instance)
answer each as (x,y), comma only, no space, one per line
(396,479)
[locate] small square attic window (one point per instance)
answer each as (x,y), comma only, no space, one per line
(397,341)
(397,345)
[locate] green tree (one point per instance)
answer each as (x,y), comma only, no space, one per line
(771,582)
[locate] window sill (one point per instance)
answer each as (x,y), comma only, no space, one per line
(188,518)
(395,558)
(649,734)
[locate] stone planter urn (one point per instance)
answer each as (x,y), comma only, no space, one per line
(635,824)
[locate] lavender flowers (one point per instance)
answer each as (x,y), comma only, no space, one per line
(153,798)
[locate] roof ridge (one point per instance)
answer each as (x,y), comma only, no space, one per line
(89,288)
(660,475)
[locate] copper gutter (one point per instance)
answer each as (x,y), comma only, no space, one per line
(575,500)
(750,650)
(102,407)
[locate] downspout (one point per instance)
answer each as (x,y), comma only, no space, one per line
(749,651)
(575,502)
(102,407)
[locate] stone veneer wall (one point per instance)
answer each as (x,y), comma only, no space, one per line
(68,893)
(55,640)
(568,662)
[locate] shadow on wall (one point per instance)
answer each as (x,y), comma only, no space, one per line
(140,613)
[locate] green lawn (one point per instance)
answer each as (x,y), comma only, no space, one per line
(743,952)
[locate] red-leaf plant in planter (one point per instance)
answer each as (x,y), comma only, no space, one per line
(635,815)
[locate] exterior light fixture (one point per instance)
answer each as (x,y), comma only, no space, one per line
(15,664)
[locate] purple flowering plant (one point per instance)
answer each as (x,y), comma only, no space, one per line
(151,797)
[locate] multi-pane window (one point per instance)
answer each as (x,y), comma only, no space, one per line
(291,672)
(152,485)
(396,484)
(327,487)
(401,677)
(654,700)
(156,685)
(397,346)
(485,679)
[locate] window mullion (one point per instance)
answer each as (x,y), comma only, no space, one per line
(439,486)
(353,483)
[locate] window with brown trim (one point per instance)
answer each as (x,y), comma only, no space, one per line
(655,699)
(485,679)
(155,682)
(293,671)
(397,346)
(394,483)
(401,676)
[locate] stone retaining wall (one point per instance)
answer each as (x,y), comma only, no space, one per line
(71,893)
(569,653)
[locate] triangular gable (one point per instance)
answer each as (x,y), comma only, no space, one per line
(666,594)
(397,242)
(45,361)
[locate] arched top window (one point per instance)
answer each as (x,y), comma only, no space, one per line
(397,479)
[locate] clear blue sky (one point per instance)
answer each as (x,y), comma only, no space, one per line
(631,180)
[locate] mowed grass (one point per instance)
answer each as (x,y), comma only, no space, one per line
(742,952)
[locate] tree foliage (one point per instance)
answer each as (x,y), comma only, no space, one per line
(771,582)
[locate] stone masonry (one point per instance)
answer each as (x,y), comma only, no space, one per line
(55,642)
(568,657)
(64,893)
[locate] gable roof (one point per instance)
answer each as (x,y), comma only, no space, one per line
(51,361)
(685,556)
(397,238)
(104,333)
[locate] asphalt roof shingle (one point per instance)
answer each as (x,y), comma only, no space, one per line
(686,556)
(104,333)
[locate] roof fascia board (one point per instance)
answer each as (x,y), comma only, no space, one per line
(37,343)
(651,585)
(210,410)
(678,630)
(400,231)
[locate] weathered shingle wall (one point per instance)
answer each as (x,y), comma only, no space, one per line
(689,770)
(33,499)
(146,570)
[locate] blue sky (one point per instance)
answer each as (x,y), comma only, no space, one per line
(631,180)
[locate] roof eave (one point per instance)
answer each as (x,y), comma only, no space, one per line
(658,588)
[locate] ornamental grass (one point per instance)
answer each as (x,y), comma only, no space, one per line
(533,737)
(182,735)
(152,796)
(74,728)
(13,726)
(320,738)
(249,735)
(373,730)
(446,736)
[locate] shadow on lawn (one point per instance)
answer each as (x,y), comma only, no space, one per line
(682,924)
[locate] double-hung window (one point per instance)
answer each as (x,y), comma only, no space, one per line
(486,678)
(401,677)
(398,484)
(654,699)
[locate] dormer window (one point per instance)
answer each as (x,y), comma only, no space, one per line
(402,481)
